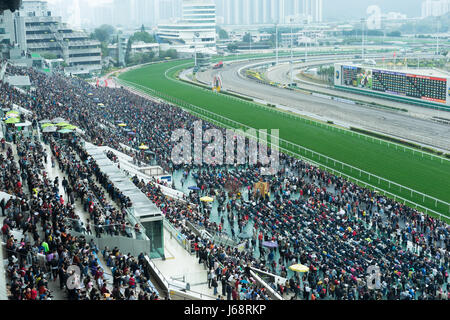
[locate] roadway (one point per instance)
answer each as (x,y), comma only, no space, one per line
(415,125)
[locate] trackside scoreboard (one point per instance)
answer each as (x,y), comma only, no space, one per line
(425,87)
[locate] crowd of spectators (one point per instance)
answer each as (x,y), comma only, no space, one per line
(335,227)
(38,223)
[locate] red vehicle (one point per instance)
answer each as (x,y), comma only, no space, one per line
(219,65)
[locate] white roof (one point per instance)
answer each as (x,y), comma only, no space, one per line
(18,80)
(23,124)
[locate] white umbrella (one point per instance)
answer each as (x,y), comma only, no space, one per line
(50,129)
(45,121)
(58,120)
(23,124)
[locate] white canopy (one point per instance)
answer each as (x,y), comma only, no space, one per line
(23,124)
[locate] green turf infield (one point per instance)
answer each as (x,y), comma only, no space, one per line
(421,172)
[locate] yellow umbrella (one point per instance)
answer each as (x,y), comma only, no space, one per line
(122,125)
(12,114)
(299,268)
(143,147)
(45,125)
(206,199)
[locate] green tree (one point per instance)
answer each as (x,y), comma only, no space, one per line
(394,34)
(103,33)
(49,56)
(143,36)
(232,47)
(376,33)
(104,48)
(223,34)
(171,53)
(128,52)
(148,56)
(247,38)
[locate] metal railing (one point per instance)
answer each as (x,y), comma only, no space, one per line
(168,287)
(302,152)
(179,237)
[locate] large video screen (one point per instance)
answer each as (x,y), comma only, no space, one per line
(409,85)
(357,77)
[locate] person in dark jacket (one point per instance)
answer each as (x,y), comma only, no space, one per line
(214,284)
(2,205)
(229,290)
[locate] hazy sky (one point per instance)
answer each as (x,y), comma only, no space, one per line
(91,2)
(357,8)
(336,9)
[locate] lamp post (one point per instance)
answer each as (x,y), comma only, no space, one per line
(276,43)
(362,40)
(292,54)
(306,43)
(196,35)
(437,35)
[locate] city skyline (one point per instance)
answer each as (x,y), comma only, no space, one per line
(229,12)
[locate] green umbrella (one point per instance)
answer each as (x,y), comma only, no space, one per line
(63,124)
(12,111)
(45,125)
(65,131)
(12,120)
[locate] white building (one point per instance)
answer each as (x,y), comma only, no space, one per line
(6,33)
(393,16)
(250,12)
(313,10)
(137,47)
(195,31)
(37,31)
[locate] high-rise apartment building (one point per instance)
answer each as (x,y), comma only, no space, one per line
(435,8)
(248,12)
(196,29)
(34,29)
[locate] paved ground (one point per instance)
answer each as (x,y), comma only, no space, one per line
(414,125)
